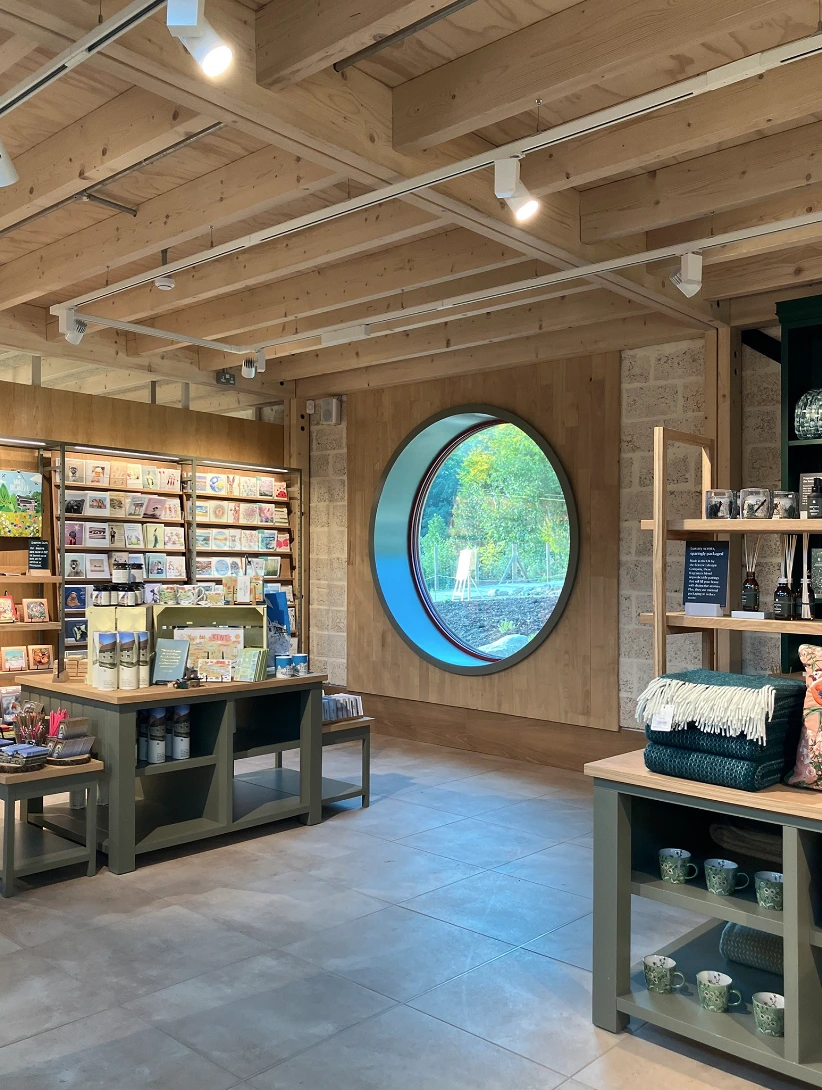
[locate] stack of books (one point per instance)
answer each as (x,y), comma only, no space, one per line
(341,706)
(251,664)
(71,740)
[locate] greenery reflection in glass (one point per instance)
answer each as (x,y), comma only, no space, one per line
(494,540)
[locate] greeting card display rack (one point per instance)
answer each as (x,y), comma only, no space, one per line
(29,456)
(190,472)
(665,622)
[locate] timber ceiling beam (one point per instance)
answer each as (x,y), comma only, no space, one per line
(243,188)
(569,52)
(603,337)
(559,313)
(765,272)
(306,250)
(416,263)
(13,50)
(297,38)
(779,97)
(342,122)
(712,183)
(756,311)
(116,135)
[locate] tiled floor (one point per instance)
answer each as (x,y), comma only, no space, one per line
(440,940)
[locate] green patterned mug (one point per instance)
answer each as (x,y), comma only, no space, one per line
(715,991)
(769,1013)
(674,864)
(722,877)
(660,974)
(769,889)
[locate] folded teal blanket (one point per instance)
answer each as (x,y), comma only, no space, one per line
(714,768)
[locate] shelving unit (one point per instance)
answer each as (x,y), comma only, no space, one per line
(667,623)
(637,812)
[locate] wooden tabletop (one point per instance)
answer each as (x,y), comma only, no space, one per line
(162,694)
(51,772)
(630,768)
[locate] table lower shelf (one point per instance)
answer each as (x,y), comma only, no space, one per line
(37,850)
(733,1032)
(740,908)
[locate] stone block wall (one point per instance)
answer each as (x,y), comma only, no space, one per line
(328,548)
(663,385)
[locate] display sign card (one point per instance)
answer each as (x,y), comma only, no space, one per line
(38,554)
(170,658)
(706,573)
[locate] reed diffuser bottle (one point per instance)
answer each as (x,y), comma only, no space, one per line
(750,587)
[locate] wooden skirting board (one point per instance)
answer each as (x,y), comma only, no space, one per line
(515,737)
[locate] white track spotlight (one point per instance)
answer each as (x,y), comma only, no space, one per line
(186,20)
(164,283)
(260,361)
(688,277)
(509,188)
(249,369)
(71,326)
(8,172)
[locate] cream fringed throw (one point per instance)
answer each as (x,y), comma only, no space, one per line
(730,709)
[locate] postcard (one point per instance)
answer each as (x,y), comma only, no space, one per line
(204,567)
(154,507)
(75,597)
(283,542)
(134,475)
(216,484)
(135,508)
(75,471)
(97,503)
(75,503)
(75,566)
(235,538)
(219,539)
(118,475)
(117,504)
(156,565)
(96,533)
(248,488)
(76,629)
(175,567)
(248,514)
(250,540)
(35,610)
(75,533)
(40,656)
(98,473)
(14,658)
(134,535)
(266,514)
(174,538)
(218,511)
(232,484)
(97,566)
(150,477)
(154,535)
(202,539)
(116,535)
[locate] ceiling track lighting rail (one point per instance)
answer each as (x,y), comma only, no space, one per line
(115,206)
(724,76)
(400,35)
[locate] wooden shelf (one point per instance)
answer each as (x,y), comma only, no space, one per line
(679,622)
(118,488)
(741,908)
(124,518)
(265,578)
(236,525)
(740,526)
(241,552)
(119,549)
(21,580)
(171,765)
(45,626)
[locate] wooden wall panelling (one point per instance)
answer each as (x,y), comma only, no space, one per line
(539,740)
(572,677)
(296,455)
(39,411)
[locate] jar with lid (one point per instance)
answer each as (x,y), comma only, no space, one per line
(783,601)
(119,572)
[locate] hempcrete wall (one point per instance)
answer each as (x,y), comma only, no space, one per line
(328,548)
(663,384)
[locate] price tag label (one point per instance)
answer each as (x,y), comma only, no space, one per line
(664,718)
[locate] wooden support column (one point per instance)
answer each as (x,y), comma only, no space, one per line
(723,421)
(296,453)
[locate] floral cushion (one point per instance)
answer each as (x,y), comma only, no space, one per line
(808,769)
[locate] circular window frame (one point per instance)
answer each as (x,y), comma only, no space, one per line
(393,552)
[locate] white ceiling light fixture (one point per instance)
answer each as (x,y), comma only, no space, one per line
(249,368)
(73,328)
(186,20)
(508,187)
(688,277)
(260,361)
(8,172)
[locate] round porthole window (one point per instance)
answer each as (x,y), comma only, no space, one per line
(474,540)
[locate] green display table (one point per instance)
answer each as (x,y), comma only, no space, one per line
(153,806)
(636,813)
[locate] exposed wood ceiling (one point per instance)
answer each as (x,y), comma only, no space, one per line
(204,162)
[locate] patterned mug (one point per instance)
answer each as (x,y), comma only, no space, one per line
(723,877)
(660,974)
(769,889)
(769,1013)
(715,991)
(674,864)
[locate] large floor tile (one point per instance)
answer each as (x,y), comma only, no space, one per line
(149,951)
(540,781)
(553,818)
(398,952)
(502,907)
(36,995)
(404,1049)
(471,840)
(393,872)
(391,819)
(249,1016)
(466,797)
(659,1060)
(108,1051)
(300,847)
(281,910)
(527,1003)
(568,866)
(85,902)
(653,926)
(170,874)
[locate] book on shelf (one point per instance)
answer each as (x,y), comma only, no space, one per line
(251,664)
(341,706)
(70,747)
(170,658)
